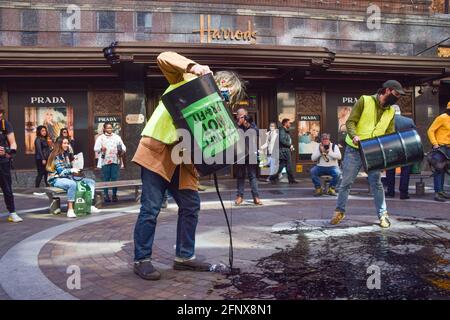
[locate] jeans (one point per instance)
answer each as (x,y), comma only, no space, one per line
(351,166)
(6,185)
(110,172)
(438,181)
(404,181)
(284,163)
(318,171)
(42,173)
(153,189)
(71,186)
(250,169)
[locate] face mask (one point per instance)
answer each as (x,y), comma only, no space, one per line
(390,100)
(225,95)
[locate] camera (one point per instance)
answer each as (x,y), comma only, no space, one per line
(326,146)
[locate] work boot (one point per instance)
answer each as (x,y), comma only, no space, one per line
(444,195)
(257,201)
(239,200)
(318,192)
(384,221)
(439,197)
(146,270)
(191,265)
(332,191)
(337,217)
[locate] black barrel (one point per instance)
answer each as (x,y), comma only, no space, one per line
(393,150)
(198,104)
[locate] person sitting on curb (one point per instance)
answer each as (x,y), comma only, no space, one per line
(60,174)
(327,154)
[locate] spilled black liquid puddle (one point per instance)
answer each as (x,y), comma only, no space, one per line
(414,264)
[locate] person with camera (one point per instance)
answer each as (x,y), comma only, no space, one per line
(110,148)
(245,123)
(61,174)
(285,149)
(42,151)
(327,154)
(8,149)
(439,136)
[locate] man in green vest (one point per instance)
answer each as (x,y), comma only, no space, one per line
(371,116)
(159,172)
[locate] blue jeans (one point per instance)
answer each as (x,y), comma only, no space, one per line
(351,166)
(153,189)
(250,169)
(110,172)
(71,186)
(318,171)
(438,181)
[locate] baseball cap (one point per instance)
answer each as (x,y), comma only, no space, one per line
(394,84)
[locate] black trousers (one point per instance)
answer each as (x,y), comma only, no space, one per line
(42,173)
(284,163)
(6,185)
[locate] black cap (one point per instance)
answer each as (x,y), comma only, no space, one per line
(394,84)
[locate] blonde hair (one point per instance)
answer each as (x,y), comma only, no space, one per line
(232,82)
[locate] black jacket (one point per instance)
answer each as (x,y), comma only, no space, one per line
(42,149)
(285,143)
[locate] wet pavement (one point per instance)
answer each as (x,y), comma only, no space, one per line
(285,249)
(335,263)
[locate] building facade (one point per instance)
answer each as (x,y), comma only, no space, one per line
(82,64)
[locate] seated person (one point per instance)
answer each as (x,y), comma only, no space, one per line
(327,154)
(60,174)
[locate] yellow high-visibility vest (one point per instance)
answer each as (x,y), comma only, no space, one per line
(367,126)
(161,126)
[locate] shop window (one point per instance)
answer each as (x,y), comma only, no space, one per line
(144,21)
(106,21)
(263,22)
(68,39)
(308,135)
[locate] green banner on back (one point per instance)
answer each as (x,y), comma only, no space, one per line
(213,129)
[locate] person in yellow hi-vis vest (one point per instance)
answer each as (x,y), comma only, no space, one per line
(371,116)
(159,173)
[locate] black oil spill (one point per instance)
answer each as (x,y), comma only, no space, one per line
(413,265)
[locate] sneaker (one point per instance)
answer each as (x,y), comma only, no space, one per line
(404,196)
(337,217)
(192,265)
(439,197)
(114,198)
(14,217)
(71,214)
(146,270)
(94,209)
(238,200)
(332,191)
(389,195)
(165,204)
(444,195)
(318,192)
(384,221)
(293,182)
(107,199)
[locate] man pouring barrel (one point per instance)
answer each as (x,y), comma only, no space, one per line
(371,116)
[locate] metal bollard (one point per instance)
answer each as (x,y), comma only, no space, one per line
(420,188)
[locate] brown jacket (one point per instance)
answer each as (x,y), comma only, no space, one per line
(155,155)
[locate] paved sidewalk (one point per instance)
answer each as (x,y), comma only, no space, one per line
(102,246)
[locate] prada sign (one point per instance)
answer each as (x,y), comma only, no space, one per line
(208,34)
